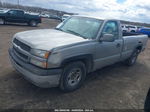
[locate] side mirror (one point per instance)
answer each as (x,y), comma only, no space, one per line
(107,38)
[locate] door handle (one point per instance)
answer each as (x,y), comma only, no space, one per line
(118,45)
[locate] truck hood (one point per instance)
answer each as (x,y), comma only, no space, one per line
(47,39)
(3,11)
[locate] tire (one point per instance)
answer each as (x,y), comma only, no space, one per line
(73,76)
(2,21)
(133,31)
(132,60)
(33,23)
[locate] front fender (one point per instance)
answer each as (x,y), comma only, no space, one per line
(87,59)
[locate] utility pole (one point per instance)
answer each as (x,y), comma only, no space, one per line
(18,3)
(1,4)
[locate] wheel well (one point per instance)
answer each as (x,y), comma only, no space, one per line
(32,20)
(139,48)
(132,31)
(86,59)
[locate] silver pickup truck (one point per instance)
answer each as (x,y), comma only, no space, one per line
(79,45)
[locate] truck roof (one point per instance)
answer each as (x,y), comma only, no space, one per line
(95,17)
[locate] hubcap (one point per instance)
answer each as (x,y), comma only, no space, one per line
(74,76)
(33,23)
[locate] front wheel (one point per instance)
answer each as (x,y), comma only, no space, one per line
(73,76)
(2,21)
(132,60)
(33,23)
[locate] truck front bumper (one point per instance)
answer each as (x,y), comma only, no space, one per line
(47,78)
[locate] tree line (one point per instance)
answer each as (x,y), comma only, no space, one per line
(54,12)
(32,9)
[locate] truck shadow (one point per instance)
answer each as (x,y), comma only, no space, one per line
(147,102)
(108,71)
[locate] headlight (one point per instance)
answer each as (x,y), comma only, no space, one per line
(38,63)
(40,53)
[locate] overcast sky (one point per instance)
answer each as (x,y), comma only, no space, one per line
(133,10)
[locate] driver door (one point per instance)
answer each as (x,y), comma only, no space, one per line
(15,16)
(108,53)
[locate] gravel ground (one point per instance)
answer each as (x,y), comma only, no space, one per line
(113,87)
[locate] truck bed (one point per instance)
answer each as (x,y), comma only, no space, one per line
(130,33)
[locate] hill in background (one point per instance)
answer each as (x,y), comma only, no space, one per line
(56,12)
(33,9)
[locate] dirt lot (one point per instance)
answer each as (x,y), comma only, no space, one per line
(113,87)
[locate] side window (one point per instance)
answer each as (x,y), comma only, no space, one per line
(111,27)
(15,12)
(12,12)
(20,13)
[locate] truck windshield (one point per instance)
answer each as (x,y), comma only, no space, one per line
(81,26)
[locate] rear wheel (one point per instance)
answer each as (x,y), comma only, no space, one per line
(33,23)
(73,76)
(132,60)
(2,21)
(132,31)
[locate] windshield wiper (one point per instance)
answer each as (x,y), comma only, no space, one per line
(73,32)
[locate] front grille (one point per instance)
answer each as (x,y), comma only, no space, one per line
(20,54)
(22,45)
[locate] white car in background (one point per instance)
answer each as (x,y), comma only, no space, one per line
(45,15)
(130,28)
(125,28)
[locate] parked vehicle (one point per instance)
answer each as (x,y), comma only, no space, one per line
(139,28)
(125,28)
(3,11)
(44,15)
(145,31)
(19,16)
(65,16)
(64,55)
(55,17)
(130,28)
